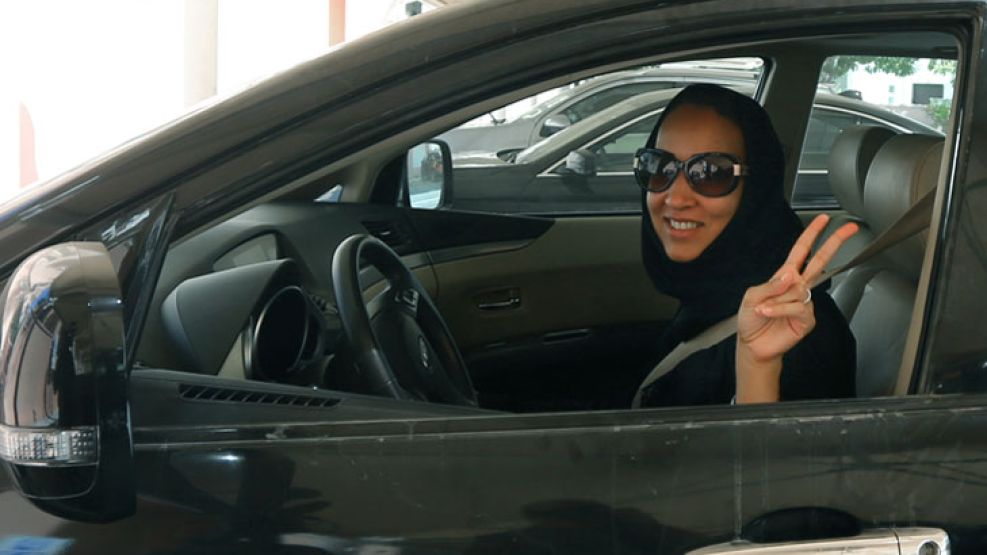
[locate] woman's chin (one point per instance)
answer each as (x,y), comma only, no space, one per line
(682,253)
(683,249)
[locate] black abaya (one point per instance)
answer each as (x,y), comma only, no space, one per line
(746,253)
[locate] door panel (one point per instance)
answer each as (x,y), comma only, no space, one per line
(554,194)
(581,272)
(570,318)
(658,481)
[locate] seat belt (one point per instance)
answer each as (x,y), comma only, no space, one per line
(914,220)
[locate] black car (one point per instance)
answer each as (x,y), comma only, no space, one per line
(234,336)
(541,179)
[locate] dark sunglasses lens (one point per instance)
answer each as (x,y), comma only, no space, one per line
(656,170)
(712,175)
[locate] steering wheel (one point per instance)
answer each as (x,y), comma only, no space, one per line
(401,344)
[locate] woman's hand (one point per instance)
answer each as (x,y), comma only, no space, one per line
(776,315)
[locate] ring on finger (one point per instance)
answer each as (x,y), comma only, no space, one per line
(808,296)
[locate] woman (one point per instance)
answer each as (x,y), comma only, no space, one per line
(718,235)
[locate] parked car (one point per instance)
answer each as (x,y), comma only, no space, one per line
(539,179)
(201,353)
(582,99)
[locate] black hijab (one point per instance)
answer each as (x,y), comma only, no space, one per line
(752,246)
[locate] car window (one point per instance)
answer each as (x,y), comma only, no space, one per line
(824,127)
(569,150)
(812,189)
(905,95)
(616,154)
(593,103)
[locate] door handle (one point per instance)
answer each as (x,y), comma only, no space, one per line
(881,541)
(500,299)
(499,305)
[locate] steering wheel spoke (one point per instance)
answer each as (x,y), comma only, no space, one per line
(400,341)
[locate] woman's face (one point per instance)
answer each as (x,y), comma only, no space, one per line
(685,221)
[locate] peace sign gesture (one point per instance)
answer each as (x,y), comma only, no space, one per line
(776,315)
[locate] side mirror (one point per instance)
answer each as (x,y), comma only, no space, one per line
(429,175)
(580,162)
(65,433)
(553,124)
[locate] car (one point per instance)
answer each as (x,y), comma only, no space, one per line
(234,335)
(540,179)
(577,101)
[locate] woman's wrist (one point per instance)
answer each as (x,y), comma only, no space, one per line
(758,380)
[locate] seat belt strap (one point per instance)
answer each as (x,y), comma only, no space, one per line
(914,220)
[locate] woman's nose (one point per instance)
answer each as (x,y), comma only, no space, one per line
(680,194)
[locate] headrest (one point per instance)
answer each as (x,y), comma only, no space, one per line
(849,160)
(904,169)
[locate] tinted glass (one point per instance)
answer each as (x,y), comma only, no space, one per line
(616,154)
(606,98)
(503,162)
(862,90)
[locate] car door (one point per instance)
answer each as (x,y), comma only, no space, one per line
(221,468)
(795,472)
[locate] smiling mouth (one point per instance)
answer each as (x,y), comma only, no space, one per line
(682,225)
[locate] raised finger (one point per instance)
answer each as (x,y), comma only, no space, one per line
(778,285)
(803,246)
(817,265)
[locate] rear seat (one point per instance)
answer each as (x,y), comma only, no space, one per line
(877,297)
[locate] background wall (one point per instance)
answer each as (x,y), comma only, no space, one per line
(80,77)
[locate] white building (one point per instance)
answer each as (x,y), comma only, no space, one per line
(909,96)
(94,74)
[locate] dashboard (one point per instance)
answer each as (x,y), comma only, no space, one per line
(259,249)
(251,298)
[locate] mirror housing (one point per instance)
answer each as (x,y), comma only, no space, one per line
(553,124)
(65,434)
(428,175)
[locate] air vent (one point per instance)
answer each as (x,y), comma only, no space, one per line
(205,393)
(391,232)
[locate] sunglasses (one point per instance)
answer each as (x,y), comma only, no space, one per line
(711,174)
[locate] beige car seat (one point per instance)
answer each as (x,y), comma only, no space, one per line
(877,297)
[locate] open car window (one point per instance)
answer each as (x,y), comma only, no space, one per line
(900,94)
(497,157)
(490,273)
